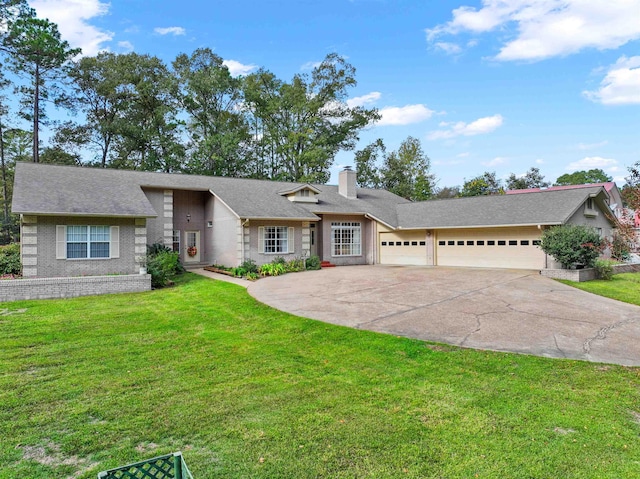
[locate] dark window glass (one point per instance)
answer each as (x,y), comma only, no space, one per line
(414,243)
(424,243)
(480,242)
(491,243)
(513,242)
(460,243)
(470,243)
(502,243)
(406,243)
(451,242)
(440,243)
(524,243)
(384,243)
(536,242)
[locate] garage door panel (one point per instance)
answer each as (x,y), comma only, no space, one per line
(406,248)
(493,248)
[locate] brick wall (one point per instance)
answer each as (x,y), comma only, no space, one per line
(48,288)
(587,274)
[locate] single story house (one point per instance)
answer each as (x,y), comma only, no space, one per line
(90,221)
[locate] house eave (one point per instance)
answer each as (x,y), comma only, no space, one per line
(85,214)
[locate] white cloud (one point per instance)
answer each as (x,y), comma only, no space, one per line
(591,146)
(621,85)
(539,161)
(593,162)
(310,65)
(126,46)
(404,115)
(367,99)
(497,161)
(480,126)
(236,68)
(170,31)
(462,155)
(547,28)
(448,47)
(72,17)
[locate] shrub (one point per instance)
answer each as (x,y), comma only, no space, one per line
(279,260)
(10,260)
(162,267)
(295,265)
(249,266)
(251,276)
(157,248)
(239,272)
(272,269)
(604,268)
(620,246)
(313,262)
(572,245)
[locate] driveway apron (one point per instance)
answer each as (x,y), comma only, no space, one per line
(503,310)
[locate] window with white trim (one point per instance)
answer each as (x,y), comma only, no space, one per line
(276,239)
(87,242)
(346,238)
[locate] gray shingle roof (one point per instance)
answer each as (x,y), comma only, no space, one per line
(63,190)
(539,208)
(48,189)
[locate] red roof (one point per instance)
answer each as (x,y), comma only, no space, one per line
(607,186)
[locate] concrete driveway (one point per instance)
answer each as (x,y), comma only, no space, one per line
(502,310)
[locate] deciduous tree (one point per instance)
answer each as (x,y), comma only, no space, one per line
(582,177)
(485,184)
(531,179)
(306,122)
(212,98)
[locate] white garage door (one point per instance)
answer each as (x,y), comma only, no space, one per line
(407,247)
(490,248)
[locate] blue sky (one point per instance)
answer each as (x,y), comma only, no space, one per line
(494,85)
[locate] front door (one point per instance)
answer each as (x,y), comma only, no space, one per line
(192,246)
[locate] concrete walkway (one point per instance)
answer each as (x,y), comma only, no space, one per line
(503,310)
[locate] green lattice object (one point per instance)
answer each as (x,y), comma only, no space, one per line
(171,466)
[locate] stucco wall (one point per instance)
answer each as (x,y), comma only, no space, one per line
(599,221)
(366,237)
(155,226)
(224,236)
(189,215)
(46,265)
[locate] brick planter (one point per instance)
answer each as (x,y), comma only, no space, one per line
(48,288)
(587,274)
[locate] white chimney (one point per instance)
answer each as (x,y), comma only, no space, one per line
(347,183)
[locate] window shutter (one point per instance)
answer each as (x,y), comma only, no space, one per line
(61,242)
(114,246)
(290,240)
(260,239)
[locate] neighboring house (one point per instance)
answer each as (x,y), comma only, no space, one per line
(91,221)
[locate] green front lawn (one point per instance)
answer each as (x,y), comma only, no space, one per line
(623,287)
(247,391)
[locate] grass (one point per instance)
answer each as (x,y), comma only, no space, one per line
(623,287)
(246,391)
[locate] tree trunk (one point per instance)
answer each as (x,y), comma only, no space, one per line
(5,193)
(36,115)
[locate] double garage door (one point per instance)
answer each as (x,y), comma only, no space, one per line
(487,248)
(493,248)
